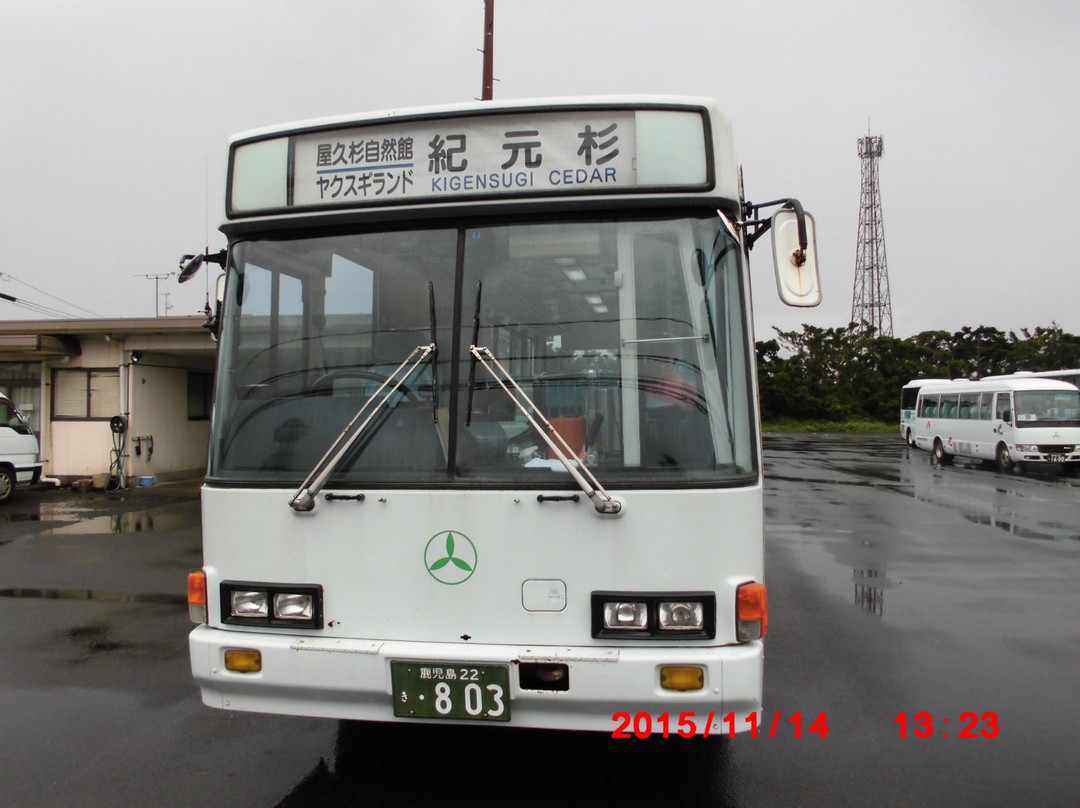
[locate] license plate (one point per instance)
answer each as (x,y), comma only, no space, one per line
(1057,458)
(451,690)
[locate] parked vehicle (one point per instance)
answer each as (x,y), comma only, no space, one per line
(909,395)
(20,463)
(1006,420)
(431,365)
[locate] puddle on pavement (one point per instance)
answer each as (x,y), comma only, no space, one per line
(84,521)
(92,594)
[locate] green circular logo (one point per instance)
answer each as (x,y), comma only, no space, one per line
(450,557)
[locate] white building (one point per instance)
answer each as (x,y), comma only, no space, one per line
(71,377)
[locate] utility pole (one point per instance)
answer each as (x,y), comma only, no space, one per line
(487,92)
(871,304)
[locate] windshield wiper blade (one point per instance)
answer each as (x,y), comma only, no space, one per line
(601,499)
(304,498)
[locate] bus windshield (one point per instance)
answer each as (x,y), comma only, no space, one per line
(629,336)
(1047,408)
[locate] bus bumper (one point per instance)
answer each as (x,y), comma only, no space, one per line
(607,687)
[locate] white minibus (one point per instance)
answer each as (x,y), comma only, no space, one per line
(1009,421)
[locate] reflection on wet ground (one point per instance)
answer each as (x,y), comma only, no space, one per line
(885,544)
(127,522)
(90,594)
(982,495)
(870,590)
(64,545)
(364,749)
(86,518)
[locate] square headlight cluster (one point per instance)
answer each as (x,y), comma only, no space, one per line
(281,605)
(654,615)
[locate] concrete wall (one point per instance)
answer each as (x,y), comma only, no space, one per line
(159,410)
(153,394)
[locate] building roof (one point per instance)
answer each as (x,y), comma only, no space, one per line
(34,340)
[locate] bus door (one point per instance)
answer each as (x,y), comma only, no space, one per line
(1003,417)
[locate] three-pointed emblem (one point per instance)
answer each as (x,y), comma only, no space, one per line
(450,557)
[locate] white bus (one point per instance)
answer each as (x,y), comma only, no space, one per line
(485,440)
(1072,375)
(909,395)
(1006,420)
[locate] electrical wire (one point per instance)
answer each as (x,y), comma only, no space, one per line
(40,308)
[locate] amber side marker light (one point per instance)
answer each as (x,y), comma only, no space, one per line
(682,677)
(751,611)
(242,660)
(196,597)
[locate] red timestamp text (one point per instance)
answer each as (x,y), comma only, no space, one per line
(688,724)
(968,724)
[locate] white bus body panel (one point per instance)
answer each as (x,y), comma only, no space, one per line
(382,604)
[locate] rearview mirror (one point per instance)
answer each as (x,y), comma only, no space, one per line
(797,280)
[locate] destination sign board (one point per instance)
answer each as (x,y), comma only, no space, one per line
(509,153)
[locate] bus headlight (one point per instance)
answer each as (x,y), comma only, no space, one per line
(281,605)
(682,615)
(290,606)
(625,615)
(654,615)
(249,604)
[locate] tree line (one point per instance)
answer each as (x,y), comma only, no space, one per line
(852,373)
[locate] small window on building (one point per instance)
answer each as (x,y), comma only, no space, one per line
(89,395)
(200,395)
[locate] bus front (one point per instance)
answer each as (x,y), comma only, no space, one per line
(485,443)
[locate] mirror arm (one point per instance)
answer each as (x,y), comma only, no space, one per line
(761,226)
(191,264)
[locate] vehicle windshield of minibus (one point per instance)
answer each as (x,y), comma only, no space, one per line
(628,334)
(1043,408)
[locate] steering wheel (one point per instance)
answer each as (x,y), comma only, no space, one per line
(325,383)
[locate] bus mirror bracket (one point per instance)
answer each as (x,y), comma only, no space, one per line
(191,264)
(212,323)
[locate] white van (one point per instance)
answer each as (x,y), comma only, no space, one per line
(19,460)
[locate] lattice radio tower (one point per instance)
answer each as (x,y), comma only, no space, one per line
(870,302)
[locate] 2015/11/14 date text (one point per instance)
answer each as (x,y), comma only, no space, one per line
(687,724)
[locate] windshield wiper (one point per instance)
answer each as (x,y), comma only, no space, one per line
(601,499)
(304,498)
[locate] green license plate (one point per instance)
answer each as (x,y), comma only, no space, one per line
(451,690)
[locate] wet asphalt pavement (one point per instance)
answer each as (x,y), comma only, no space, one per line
(903,596)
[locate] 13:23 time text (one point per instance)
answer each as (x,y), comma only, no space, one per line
(925,725)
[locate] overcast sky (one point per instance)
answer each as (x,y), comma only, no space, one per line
(115,116)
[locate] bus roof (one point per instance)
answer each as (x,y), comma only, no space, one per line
(997,383)
(921,382)
(1036,374)
(601,148)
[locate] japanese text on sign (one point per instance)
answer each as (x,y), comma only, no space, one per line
(515,153)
